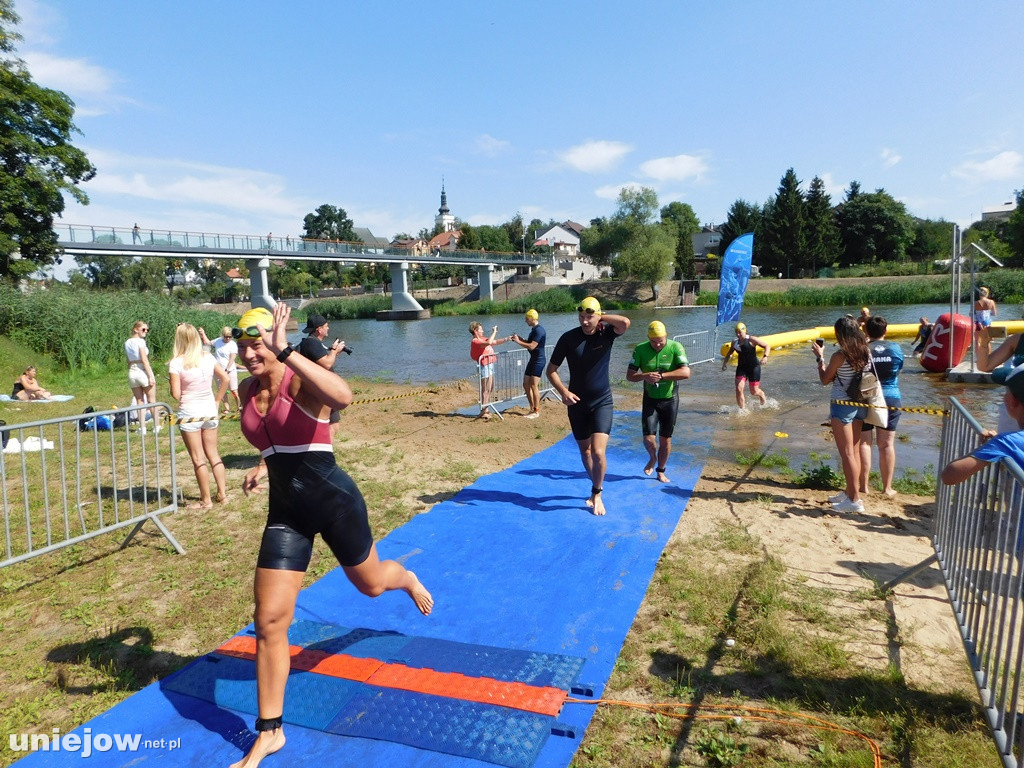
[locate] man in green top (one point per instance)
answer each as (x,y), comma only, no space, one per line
(659,364)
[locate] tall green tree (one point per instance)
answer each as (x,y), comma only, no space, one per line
(648,255)
(329,223)
(821,232)
(603,239)
(494,239)
(1015,230)
(932,240)
(636,206)
(39,163)
(874,227)
(743,217)
(680,219)
(783,244)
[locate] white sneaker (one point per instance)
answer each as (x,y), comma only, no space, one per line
(841,496)
(848,506)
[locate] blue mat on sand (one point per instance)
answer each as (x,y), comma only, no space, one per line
(528,584)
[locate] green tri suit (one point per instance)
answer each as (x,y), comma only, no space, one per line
(661,400)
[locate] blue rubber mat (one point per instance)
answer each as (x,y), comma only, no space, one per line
(514,561)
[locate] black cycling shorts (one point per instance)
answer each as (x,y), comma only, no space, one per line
(658,415)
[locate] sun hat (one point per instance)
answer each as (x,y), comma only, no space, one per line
(590,303)
(313,322)
(656,330)
(247,323)
(532,314)
(1011,378)
(741,327)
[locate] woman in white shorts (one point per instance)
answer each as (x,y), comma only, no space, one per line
(192,372)
(140,373)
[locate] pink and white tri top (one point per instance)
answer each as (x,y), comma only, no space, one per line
(286,428)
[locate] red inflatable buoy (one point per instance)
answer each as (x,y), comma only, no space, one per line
(935,356)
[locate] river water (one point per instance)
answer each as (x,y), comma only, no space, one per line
(437,350)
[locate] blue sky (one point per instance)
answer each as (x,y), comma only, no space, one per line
(231,116)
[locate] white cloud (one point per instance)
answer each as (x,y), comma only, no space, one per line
(835,189)
(488,146)
(611,191)
(595,156)
(186,183)
(890,158)
(676,168)
(1005,166)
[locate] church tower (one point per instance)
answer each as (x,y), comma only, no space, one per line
(444,219)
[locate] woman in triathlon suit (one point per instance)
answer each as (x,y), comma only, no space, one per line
(748,367)
(286,406)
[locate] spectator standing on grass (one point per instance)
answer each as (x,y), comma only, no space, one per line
(659,364)
(225,352)
(192,372)
(140,372)
(887,359)
(314,348)
(535,365)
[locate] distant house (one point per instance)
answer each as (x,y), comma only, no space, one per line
(234,275)
(446,241)
(563,239)
(416,246)
(371,241)
(999,212)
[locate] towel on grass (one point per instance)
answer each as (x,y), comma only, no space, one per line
(53,399)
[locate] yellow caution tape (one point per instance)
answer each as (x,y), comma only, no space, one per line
(903,408)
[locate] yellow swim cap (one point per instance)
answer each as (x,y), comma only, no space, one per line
(590,303)
(741,327)
(656,330)
(247,323)
(531,314)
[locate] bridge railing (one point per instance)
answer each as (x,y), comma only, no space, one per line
(130,237)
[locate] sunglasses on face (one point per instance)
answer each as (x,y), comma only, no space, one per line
(143,330)
(252,332)
(587,311)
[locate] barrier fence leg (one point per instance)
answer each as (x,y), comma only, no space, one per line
(163,529)
(904,575)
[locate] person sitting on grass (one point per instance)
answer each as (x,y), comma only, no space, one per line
(1007,445)
(27,388)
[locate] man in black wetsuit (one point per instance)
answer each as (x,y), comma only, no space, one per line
(588,350)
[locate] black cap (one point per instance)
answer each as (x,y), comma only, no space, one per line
(313,322)
(1011,378)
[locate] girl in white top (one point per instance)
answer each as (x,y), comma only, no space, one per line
(225,352)
(140,373)
(192,372)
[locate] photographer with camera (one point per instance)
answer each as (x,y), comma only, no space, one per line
(313,348)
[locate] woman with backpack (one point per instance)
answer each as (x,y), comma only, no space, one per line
(846,365)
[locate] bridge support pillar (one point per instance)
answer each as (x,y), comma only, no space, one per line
(259,288)
(483,272)
(403,305)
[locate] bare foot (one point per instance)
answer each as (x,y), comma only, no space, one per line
(891,493)
(222,498)
(650,466)
(595,502)
(420,595)
(662,477)
(201,505)
(267,743)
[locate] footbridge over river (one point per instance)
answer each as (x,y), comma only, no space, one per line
(77,239)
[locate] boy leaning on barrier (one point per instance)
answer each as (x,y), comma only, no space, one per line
(1007,445)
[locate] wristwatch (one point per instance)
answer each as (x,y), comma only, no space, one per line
(283,354)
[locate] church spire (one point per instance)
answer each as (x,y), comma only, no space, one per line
(444,200)
(444,221)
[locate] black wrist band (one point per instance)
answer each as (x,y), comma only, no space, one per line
(283,354)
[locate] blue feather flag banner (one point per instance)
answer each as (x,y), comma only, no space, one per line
(734,277)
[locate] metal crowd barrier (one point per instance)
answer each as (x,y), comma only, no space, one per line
(62,484)
(978,544)
(508,379)
(700,346)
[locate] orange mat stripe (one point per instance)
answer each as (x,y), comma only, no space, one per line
(543,700)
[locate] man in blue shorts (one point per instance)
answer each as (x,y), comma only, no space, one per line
(588,350)
(535,365)
(659,364)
